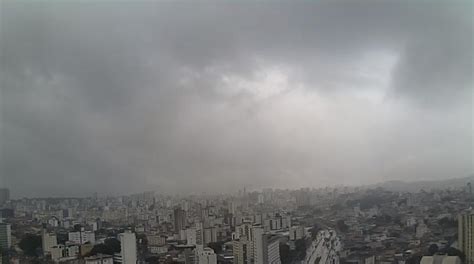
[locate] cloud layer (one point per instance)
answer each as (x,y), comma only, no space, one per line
(183,97)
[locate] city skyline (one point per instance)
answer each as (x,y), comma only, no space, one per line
(394,186)
(317,226)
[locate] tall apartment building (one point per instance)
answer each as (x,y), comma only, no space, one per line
(271,249)
(191,237)
(48,241)
(179,217)
(466,236)
(128,243)
(258,237)
(266,248)
(252,245)
(209,235)
(5,236)
(199,233)
(242,251)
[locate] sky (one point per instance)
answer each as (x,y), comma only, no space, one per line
(117,97)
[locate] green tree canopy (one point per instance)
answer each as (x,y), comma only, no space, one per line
(29,244)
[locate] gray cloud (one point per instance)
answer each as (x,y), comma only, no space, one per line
(122,97)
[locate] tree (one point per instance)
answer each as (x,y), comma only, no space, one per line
(109,247)
(300,249)
(414,260)
(29,244)
(284,253)
(300,245)
(113,244)
(216,246)
(102,249)
(433,249)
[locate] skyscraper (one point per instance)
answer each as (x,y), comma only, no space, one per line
(5,236)
(253,245)
(241,251)
(271,249)
(128,247)
(258,244)
(266,248)
(48,241)
(466,236)
(179,216)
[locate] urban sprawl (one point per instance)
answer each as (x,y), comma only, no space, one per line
(333,225)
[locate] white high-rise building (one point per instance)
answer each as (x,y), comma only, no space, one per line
(272,250)
(191,238)
(258,245)
(209,235)
(254,246)
(206,256)
(128,247)
(241,250)
(49,240)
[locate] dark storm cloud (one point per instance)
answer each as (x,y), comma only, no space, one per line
(122,97)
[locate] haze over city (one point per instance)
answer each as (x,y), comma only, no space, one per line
(127,97)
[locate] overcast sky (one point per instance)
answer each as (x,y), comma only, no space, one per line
(210,97)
